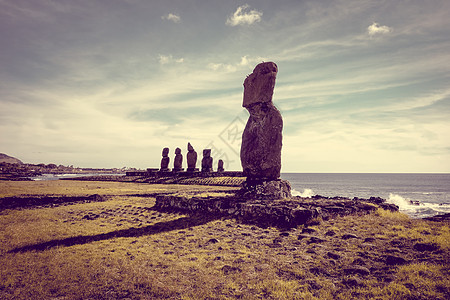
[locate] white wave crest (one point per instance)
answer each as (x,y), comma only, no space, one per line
(419,210)
(307,193)
(402,203)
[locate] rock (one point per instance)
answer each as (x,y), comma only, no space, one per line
(439,218)
(349,236)
(303,236)
(212,241)
(207,161)
(395,260)
(191,158)
(220,166)
(267,190)
(330,233)
(352,281)
(319,271)
(357,270)
(230,270)
(369,240)
(284,233)
(262,136)
(422,247)
(178,161)
(389,207)
(165,160)
(277,240)
(308,230)
(333,255)
(315,240)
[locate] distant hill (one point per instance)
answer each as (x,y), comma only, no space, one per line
(8,159)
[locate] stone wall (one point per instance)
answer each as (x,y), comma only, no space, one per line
(280,213)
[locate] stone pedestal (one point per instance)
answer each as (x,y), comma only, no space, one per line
(265,189)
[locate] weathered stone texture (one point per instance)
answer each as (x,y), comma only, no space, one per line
(165,160)
(207,161)
(262,136)
(220,166)
(191,158)
(178,161)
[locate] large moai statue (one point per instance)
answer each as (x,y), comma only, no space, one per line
(191,159)
(207,161)
(262,136)
(165,160)
(178,161)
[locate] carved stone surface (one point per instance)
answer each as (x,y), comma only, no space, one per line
(262,136)
(191,158)
(165,160)
(220,166)
(207,161)
(178,161)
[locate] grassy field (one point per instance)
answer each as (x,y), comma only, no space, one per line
(121,248)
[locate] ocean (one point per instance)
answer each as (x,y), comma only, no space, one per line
(430,191)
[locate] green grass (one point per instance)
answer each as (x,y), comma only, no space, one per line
(131,251)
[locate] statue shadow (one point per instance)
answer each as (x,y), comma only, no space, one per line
(178,224)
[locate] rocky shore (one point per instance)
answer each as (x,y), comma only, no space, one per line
(88,239)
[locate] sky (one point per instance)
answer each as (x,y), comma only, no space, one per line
(363,86)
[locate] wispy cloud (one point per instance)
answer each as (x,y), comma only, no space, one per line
(376,30)
(167,59)
(172,17)
(244,16)
(245,62)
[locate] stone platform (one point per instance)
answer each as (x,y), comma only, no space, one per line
(279,213)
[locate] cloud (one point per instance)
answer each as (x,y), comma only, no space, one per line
(233,67)
(172,17)
(166,59)
(375,29)
(243,16)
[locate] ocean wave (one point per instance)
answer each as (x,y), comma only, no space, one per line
(307,193)
(418,209)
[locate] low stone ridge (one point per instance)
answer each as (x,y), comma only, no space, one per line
(44,201)
(227,178)
(281,213)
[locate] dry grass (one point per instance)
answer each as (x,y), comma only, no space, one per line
(121,248)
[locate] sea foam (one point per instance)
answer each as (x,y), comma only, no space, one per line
(419,209)
(307,193)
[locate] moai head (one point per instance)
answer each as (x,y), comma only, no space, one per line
(220,164)
(258,86)
(165,152)
(177,151)
(190,148)
(206,152)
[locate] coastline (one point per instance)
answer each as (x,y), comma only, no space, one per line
(77,249)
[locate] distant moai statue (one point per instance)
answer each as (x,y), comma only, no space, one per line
(220,166)
(191,159)
(207,161)
(178,161)
(165,160)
